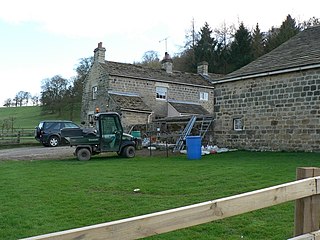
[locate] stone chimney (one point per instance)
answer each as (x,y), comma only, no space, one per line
(202,68)
(167,63)
(99,53)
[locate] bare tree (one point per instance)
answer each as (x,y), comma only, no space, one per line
(150,59)
(7,102)
(310,23)
(35,100)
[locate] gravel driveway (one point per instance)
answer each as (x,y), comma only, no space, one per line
(36,153)
(63,152)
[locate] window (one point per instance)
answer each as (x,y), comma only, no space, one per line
(161,93)
(70,125)
(94,92)
(204,96)
(237,124)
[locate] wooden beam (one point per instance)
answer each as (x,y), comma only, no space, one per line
(178,218)
(307,210)
(308,236)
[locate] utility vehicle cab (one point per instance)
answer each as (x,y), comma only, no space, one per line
(108,136)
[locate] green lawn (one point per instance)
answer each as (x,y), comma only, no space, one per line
(39,197)
(29,117)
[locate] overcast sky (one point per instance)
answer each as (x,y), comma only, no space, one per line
(40,39)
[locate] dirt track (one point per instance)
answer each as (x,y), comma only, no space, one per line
(36,153)
(65,152)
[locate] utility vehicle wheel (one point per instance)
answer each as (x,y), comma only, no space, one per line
(83,154)
(54,141)
(129,152)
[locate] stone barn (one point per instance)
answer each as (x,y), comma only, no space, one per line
(273,103)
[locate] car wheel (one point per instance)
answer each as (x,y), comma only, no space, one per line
(54,141)
(128,152)
(83,154)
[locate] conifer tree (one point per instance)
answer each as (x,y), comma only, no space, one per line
(204,49)
(257,43)
(241,48)
(287,30)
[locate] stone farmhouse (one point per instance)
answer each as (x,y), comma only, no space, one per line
(142,94)
(273,103)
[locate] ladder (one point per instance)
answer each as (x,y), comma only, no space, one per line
(180,141)
(205,124)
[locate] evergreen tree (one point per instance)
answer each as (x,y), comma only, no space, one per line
(241,48)
(271,42)
(287,30)
(257,43)
(204,49)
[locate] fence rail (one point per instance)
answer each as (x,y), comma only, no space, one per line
(16,136)
(178,218)
(309,236)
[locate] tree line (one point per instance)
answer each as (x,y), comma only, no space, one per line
(22,98)
(60,95)
(228,48)
(225,49)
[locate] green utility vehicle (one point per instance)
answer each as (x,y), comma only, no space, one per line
(106,136)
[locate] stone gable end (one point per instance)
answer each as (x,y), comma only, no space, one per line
(280,112)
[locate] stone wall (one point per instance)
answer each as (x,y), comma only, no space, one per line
(279,112)
(96,77)
(147,90)
(129,119)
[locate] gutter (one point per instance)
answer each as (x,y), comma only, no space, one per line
(138,111)
(267,74)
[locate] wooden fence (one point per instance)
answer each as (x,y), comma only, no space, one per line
(16,136)
(304,191)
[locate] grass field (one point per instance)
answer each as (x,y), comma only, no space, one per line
(29,117)
(39,197)
(26,119)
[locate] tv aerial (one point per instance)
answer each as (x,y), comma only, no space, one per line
(165,40)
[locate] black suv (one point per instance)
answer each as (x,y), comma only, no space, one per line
(49,132)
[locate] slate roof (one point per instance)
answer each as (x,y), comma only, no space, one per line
(188,108)
(301,50)
(129,101)
(141,72)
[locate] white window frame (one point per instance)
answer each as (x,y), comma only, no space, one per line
(238,124)
(94,92)
(161,93)
(204,96)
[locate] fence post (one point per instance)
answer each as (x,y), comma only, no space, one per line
(307,210)
(18,137)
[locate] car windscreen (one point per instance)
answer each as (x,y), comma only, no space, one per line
(41,125)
